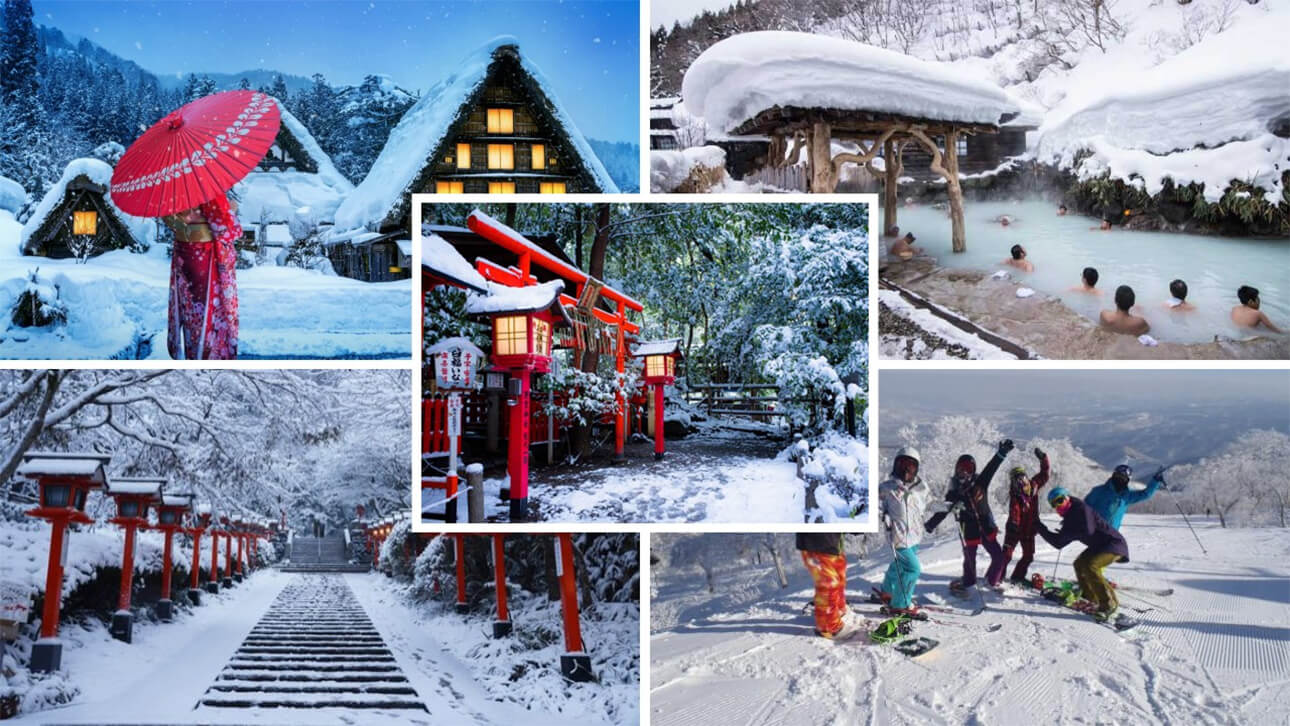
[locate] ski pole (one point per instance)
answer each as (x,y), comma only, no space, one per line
(1055,563)
(1193,530)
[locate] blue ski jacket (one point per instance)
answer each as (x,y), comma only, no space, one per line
(1111,503)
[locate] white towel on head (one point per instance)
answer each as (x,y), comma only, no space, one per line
(1024,292)
(1000,275)
(1147,340)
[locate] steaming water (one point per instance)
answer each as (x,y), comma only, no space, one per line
(1060,247)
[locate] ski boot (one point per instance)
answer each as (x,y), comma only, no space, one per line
(958,589)
(913,612)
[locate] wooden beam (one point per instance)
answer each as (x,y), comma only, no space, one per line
(823,180)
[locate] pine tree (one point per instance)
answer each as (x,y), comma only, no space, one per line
(24,151)
(244,84)
(279,88)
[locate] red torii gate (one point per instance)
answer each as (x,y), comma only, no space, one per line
(520,276)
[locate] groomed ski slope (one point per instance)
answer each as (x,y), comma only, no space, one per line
(1220,654)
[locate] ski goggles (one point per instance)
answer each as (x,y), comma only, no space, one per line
(1059,501)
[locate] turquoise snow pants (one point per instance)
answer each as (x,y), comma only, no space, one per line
(902,575)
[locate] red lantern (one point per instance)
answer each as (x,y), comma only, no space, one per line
(65,481)
(133,497)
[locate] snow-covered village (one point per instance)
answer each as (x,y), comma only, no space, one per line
(212,563)
(1191,469)
(1066,180)
(115,144)
(645,362)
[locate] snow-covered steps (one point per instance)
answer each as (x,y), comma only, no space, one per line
(314,648)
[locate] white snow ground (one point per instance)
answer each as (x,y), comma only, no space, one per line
(286,312)
(895,346)
(1215,652)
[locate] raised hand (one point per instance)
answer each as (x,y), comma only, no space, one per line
(1039,453)
(1006,446)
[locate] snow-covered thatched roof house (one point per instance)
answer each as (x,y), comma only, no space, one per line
(493,126)
(294,185)
(76,217)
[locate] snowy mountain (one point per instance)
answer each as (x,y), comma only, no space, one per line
(622,161)
(728,644)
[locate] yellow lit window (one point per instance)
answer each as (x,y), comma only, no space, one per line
(85,222)
(542,337)
(501,187)
(658,365)
(463,156)
(510,335)
(539,156)
(501,156)
(551,187)
(449,187)
(501,121)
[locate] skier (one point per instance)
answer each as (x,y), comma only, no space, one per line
(1112,498)
(1023,513)
(903,499)
(203,282)
(1105,545)
(968,497)
(825,558)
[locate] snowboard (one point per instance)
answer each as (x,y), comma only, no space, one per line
(888,632)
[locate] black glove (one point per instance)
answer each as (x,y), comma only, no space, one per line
(932,523)
(1039,453)
(1005,447)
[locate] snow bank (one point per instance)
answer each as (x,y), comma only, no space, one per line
(1190,118)
(12,195)
(739,77)
(407,150)
(98,172)
(668,170)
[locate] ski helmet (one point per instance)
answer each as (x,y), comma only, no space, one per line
(1057,493)
(965,465)
(1017,471)
(1124,469)
(909,452)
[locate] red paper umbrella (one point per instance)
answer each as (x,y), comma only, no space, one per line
(196,153)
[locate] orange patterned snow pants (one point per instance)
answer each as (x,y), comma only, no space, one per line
(830,575)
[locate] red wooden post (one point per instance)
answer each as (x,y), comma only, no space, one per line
(460,555)
(658,421)
(213,585)
(502,626)
(518,455)
(127,580)
(170,519)
(620,350)
(241,540)
(195,584)
(132,497)
(227,582)
(54,579)
(575,663)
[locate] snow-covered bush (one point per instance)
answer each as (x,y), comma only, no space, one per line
(586,397)
(39,304)
(108,151)
(444,316)
(397,551)
(694,170)
(835,467)
(429,568)
(12,196)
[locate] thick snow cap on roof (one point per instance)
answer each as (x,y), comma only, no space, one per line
(449,344)
(58,463)
(423,127)
(280,196)
(98,172)
(504,299)
(1191,118)
(657,347)
(743,75)
(126,485)
(440,257)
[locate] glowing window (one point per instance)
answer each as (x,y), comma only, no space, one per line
(463,156)
(658,365)
(501,121)
(501,187)
(501,156)
(510,335)
(551,187)
(539,156)
(449,187)
(85,222)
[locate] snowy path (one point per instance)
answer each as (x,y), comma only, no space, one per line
(719,476)
(1216,652)
(315,648)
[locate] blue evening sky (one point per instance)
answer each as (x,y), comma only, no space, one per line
(589,49)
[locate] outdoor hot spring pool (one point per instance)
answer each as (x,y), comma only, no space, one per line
(1061,247)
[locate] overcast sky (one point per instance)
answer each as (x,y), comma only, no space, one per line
(966,391)
(665,12)
(588,49)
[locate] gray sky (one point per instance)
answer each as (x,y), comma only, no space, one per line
(666,12)
(1036,389)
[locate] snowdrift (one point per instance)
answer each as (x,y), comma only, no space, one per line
(743,75)
(1190,118)
(701,166)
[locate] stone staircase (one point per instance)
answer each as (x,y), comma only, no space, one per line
(320,554)
(314,648)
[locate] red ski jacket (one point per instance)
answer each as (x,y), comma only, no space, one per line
(1023,502)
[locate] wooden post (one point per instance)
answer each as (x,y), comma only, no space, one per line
(518,448)
(213,585)
(459,552)
(891,185)
(822,179)
(958,236)
(575,663)
(195,577)
(501,626)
